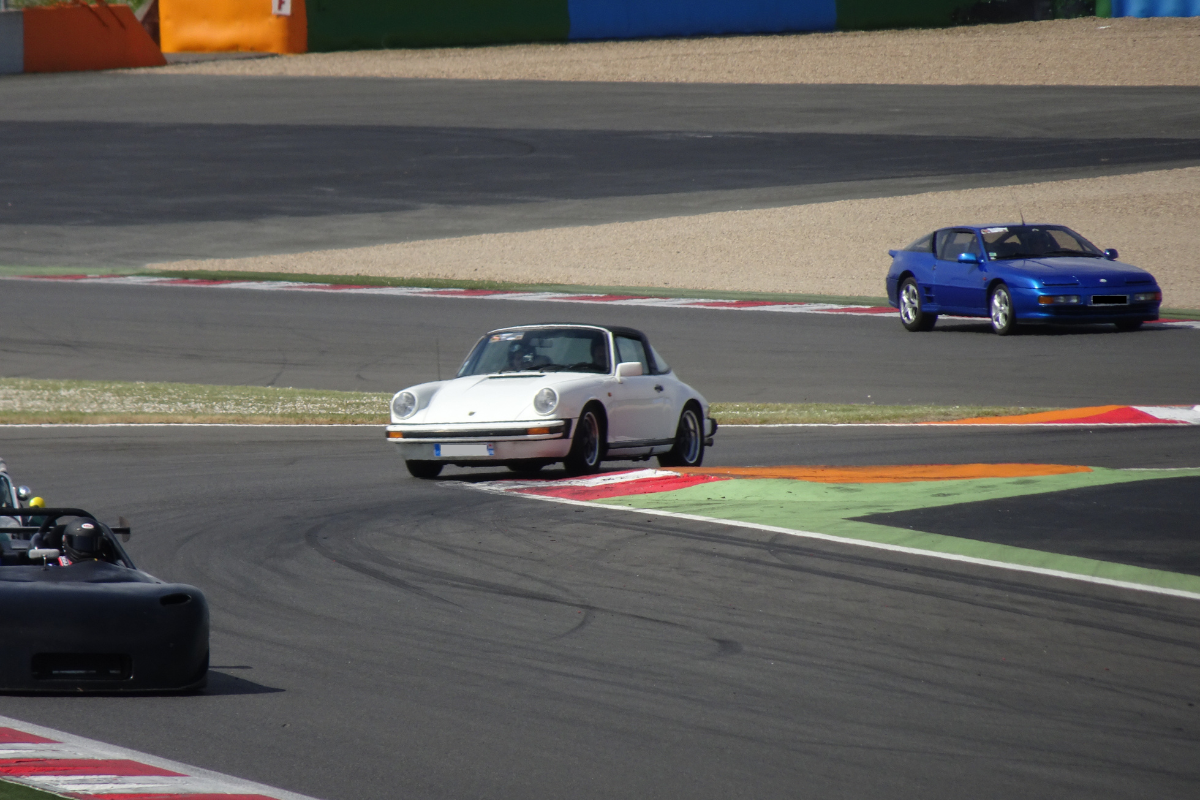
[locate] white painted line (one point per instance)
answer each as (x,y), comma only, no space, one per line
(1053,573)
(193,780)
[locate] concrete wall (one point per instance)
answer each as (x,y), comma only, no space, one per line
(12,42)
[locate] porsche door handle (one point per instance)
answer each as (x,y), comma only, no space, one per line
(658,387)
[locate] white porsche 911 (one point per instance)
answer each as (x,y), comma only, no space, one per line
(537,394)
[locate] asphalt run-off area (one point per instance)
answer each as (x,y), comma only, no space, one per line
(926,611)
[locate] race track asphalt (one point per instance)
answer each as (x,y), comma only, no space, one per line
(113,170)
(379,637)
(62,330)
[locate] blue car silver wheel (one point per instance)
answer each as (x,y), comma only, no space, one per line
(912,316)
(1004,320)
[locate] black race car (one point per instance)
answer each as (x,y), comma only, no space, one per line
(77,615)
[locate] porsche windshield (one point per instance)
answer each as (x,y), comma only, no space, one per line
(539,350)
(1036,241)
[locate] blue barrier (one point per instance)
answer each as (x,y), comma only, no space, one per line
(1156,8)
(632,19)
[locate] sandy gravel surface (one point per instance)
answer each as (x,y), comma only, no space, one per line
(1082,52)
(837,248)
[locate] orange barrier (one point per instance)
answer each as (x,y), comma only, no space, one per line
(82,37)
(890,474)
(219,26)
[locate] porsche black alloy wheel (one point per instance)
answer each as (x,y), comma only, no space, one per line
(1000,306)
(688,450)
(912,316)
(424,469)
(587,447)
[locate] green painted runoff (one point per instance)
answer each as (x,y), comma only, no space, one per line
(828,508)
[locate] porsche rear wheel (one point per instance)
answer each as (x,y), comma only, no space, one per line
(688,450)
(587,446)
(424,469)
(1004,319)
(912,316)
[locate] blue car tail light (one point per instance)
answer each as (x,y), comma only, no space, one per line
(1058,300)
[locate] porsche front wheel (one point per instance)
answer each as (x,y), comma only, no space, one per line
(912,315)
(424,469)
(587,446)
(1004,319)
(688,450)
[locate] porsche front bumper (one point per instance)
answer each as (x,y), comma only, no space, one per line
(474,443)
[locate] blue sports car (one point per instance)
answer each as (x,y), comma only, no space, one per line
(1017,274)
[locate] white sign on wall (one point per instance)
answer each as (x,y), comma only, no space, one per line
(281,8)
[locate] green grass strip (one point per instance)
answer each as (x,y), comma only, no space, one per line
(853,413)
(830,508)
(17,791)
(31,401)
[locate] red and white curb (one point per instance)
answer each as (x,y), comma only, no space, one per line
(73,766)
(599,487)
(536,297)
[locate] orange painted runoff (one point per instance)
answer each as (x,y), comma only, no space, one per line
(1042,416)
(83,37)
(221,26)
(892,473)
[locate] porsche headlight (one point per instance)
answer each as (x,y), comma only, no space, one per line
(545,401)
(404,405)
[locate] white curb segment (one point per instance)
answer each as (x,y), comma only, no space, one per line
(60,762)
(538,297)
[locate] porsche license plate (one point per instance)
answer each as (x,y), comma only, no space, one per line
(452,450)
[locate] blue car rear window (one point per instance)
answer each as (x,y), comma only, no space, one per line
(922,245)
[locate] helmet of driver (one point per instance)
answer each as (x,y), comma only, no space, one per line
(83,540)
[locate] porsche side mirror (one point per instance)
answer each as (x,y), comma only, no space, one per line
(1110,254)
(43,552)
(24,493)
(628,369)
(122,529)
(968,258)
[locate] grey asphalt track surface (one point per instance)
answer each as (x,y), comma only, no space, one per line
(154,167)
(1151,524)
(54,329)
(379,637)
